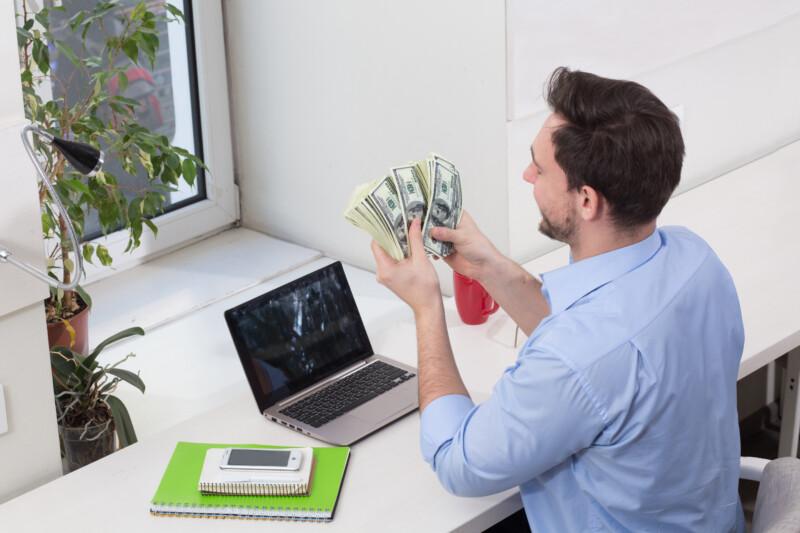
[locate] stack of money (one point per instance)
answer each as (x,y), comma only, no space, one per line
(429,190)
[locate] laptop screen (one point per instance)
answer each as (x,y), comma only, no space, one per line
(298,334)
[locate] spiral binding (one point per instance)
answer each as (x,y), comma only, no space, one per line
(254,489)
(312,514)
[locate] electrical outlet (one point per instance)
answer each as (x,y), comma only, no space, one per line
(3,417)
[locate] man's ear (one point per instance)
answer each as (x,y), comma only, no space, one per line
(591,204)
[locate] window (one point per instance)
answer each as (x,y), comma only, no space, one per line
(185,98)
(167,93)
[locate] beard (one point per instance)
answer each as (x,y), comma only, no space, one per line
(562,232)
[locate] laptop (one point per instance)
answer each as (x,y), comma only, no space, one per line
(310,365)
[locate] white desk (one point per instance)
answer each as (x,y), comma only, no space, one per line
(747,216)
(388,486)
(750,218)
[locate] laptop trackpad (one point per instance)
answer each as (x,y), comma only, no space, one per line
(386,406)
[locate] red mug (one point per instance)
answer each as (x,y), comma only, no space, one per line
(473,302)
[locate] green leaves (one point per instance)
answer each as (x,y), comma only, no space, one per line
(86,19)
(88,251)
(82,384)
(116,337)
(174,11)
(128,377)
(122,420)
(69,53)
(153,227)
(64,367)
(103,255)
(131,50)
(104,115)
(41,56)
(148,43)
(189,171)
(84,295)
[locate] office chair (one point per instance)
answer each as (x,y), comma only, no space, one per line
(778,499)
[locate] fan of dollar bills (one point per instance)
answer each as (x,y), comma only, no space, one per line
(429,190)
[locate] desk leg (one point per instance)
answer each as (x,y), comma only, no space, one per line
(790,410)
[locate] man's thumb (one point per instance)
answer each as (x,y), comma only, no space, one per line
(444,234)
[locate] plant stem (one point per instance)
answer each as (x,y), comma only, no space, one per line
(69,296)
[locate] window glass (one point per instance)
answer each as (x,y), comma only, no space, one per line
(167,93)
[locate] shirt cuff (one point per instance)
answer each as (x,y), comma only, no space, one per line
(440,421)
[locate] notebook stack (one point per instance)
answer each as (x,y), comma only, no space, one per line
(194,486)
(215,480)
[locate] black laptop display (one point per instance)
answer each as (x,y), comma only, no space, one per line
(298,334)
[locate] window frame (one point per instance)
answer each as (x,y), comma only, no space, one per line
(220,209)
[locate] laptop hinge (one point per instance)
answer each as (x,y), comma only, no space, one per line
(321,384)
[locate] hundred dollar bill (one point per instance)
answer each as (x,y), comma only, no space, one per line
(445,162)
(375,207)
(444,208)
(422,173)
(429,189)
(409,189)
(436,157)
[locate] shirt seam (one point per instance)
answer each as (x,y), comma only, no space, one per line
(566,307)
(585,387)
(583,382)
(667,304)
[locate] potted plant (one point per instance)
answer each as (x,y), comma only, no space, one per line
(89,415)
(92,107)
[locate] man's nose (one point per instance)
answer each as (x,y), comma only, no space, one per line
(530,175)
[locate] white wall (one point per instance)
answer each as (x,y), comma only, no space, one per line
(29,452)
(732,66)
(327,95)
(620,39)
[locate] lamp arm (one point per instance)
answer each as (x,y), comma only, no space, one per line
(6,256)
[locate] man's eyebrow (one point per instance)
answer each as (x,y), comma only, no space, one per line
(534,159)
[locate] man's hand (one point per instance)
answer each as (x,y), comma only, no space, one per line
(473,252)
(511,286)
(413,279)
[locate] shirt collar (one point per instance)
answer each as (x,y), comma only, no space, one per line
(566,285)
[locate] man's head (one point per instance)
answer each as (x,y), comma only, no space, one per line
(610,151)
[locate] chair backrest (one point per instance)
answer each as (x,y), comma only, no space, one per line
(778,499)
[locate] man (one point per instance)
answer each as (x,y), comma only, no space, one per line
(620,412)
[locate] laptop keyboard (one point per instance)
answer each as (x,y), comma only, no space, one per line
(347,394)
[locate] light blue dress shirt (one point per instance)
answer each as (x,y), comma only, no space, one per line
(620,411)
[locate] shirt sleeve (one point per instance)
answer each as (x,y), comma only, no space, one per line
(539,414)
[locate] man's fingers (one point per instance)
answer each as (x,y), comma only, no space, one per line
(383,261)
(415,239)
(445,234)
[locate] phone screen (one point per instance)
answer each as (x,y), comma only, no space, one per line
(259,458)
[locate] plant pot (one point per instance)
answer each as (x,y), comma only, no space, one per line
(57,334)
(84,445)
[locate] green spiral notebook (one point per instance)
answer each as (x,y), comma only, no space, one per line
(177,494)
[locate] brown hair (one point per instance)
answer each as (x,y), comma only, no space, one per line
(619,139)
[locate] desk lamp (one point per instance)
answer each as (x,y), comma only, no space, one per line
(86,160)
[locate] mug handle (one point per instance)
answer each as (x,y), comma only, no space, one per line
(495,306)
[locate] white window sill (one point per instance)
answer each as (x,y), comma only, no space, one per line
(186,358)
(191,278)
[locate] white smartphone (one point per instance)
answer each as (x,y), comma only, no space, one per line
(261,459)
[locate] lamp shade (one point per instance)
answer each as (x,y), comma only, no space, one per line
(84,158)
